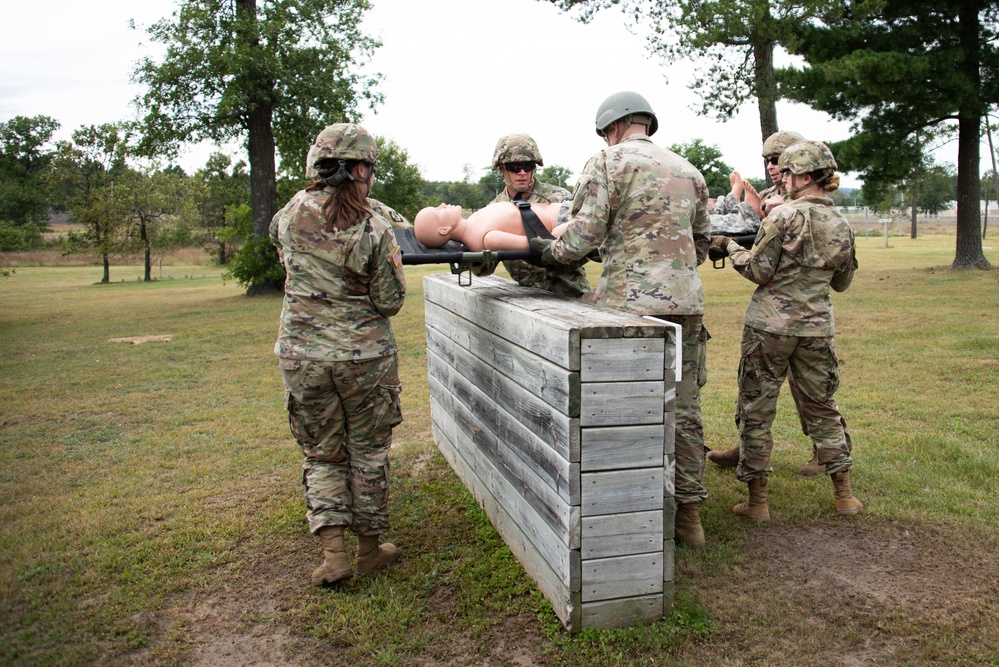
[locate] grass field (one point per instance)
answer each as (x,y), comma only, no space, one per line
(151,509)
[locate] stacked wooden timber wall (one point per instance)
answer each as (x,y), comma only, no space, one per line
(558,417)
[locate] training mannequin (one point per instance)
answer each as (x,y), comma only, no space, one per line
(498,226)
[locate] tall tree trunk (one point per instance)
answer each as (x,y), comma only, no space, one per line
(969,254)
(766,92)
(147,259)
(914,207)
(107,268)
(263,187)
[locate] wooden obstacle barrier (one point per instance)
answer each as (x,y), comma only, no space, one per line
(559,418)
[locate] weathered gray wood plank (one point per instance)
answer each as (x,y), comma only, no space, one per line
(616,492)
(617,447)
(621,359)
(497,429)
(609,614)
(621,534)
(565,603)
(620,403)
(546,523)
(554,384)
(622,577)
(554,428)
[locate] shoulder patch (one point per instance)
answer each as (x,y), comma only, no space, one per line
(397,256)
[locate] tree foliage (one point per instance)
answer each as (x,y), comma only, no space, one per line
(86,168)
(732,40)
(222,193)
(24,162)
(910,70)
(555,174)
(273,73)
(398,182)
(708,160)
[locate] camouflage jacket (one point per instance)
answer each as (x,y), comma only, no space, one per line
(569,280)
(643,207)
(396,219)
(340,287)
(803,248)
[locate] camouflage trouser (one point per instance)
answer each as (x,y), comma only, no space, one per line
(812,370)
(342,414)
(567,280)
(689,430)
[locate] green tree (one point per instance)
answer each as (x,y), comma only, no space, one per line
(273,72)
(920,67)
(398,183)
(149,200)
(221,187)
(24,162)
(708,160)
(733,40)
(491,184)
(555,174)
(86,168)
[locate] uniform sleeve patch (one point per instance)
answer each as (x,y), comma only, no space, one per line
(397,257)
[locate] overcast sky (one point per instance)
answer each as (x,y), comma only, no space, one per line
(458,74)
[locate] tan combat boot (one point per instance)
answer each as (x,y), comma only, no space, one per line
(813,467)
(336,565)
(727,459)
(846,504)
(756,507)
(688,525)
(371,557)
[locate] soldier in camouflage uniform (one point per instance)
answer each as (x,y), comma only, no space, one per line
(772,148)
(771,198)
(516,157)
(644,209)
(337,352)
(804,248)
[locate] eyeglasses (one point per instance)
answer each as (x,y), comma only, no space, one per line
(517,167)
(773,159)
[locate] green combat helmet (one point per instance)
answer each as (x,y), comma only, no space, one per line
(778,141)
(806,157)
(343,142)
(619,105)
(516,148)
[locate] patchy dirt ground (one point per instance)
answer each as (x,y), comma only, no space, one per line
(833,593)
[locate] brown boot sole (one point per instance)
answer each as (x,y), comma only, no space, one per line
(849,511)
(746,514)
(333,577)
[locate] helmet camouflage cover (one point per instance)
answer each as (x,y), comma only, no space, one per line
(516,148)
(778,141)
(344,141)
(806,157)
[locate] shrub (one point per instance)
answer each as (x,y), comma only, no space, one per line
(256,267)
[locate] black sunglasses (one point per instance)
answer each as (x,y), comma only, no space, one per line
(517,167)
(773,159)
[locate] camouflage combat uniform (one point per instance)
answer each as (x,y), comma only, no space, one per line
(730,216)
(569,280)
(644,209)
(803,248)
(338,359)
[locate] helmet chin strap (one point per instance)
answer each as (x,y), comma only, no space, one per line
(795,190)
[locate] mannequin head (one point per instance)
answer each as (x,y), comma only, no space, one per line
(434,226)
